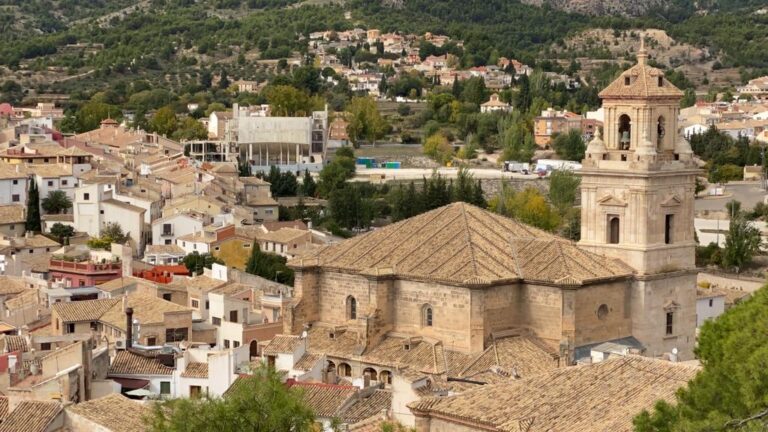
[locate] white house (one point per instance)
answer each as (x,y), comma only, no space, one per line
(51,178)
(166,230)
(495,104)
(13,185)
(94,207)
(709,304)
(694,129)
(164,254)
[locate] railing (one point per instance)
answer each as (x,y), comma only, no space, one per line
(83,266)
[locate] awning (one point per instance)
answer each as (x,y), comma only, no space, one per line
(131,383)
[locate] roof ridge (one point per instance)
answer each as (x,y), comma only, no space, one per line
(436,232)
(469,238)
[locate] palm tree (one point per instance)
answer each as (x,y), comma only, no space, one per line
(56,202)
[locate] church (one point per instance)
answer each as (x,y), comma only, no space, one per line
(464,292)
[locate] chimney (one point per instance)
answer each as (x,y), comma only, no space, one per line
(129,327)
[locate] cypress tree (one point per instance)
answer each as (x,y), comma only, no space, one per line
(33,208)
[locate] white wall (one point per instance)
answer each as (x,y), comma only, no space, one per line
(152,207)
(190,247)
(57,183)
(130,221)
(181,225)
(8,189)
(708,308)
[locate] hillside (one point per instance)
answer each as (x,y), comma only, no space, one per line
(602,7)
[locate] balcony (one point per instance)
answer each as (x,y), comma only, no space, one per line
(167,233)
(84,267)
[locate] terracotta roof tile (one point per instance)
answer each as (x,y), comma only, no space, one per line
(326,400)
(643,83)
(282,344)
(367,407)
(12,213)
(31,416)
(114,412)
(86,310)
(603,396)
(128,363)
(196,370)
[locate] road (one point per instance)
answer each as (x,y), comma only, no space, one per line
(748,194)
(418,173)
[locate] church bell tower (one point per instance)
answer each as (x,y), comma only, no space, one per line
(637,196)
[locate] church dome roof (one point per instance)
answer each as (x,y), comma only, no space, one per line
(641,81)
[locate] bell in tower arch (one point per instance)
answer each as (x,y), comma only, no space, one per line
(625,140)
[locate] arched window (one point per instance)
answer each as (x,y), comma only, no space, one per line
(625,131)
(385,377)
(660,130)
(351,308)
(613,229)
(331,366)
(345,370)
(426,315)
(371,372)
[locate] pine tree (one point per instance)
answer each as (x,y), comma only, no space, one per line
(33,208)
(308,186)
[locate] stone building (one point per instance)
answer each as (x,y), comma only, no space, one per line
(460,286)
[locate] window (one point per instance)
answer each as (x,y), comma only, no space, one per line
(50,183)
(710,302)
(602,312)
(660,129)
(64,182)
(15,198)
(15,182)
(165,387)
(94,325)
(351,308)
(167,229)
(45,160)
(70,328)
(86,196)
(670,323)
(167,241)
(101,211)
(81,282)
(196,303)
(625,131)
(152,341)
(247,245)
(345,370)
(216,321)
(226,343)
(371,373)
(668,225)
(235,344)
(385,377)
(12,227)
(426,315)
(661,81)
(233,316)
(33,251)
(167,296)
(176,334)
(627,80)
(57,321)
(207,305)
(613,229)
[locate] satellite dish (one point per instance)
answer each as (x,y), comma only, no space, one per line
(304,334)
(674,351)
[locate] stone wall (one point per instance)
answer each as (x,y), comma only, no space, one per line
(591,326)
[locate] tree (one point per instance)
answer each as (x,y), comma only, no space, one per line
(741,243)
(33,208)
(335,174)
(190,129)
(731,388)
(528,206)
(269,266)
(365,121)
(61,231)
(689,98)
(259,402)
(196,262)
(308,185)
(164,121)
(516,138)
(563,189)
(111,233)
(56,202)
(286,100)
(570,146)
(349,208)
(438,148)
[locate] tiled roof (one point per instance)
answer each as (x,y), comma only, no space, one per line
(31,416)
(86,310)
(326,400)
(284,235)
(601,397)
(3,408)
(8,171)
(124,205)
(282,344)
(11,285)
(128,363)
(12,213)
(367,407)
(516,356)
(643,83)
(460,244)
(25,298)
(147,309)
(114,412)
(16,343)
(307,361)
(171,249)
(196,370)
